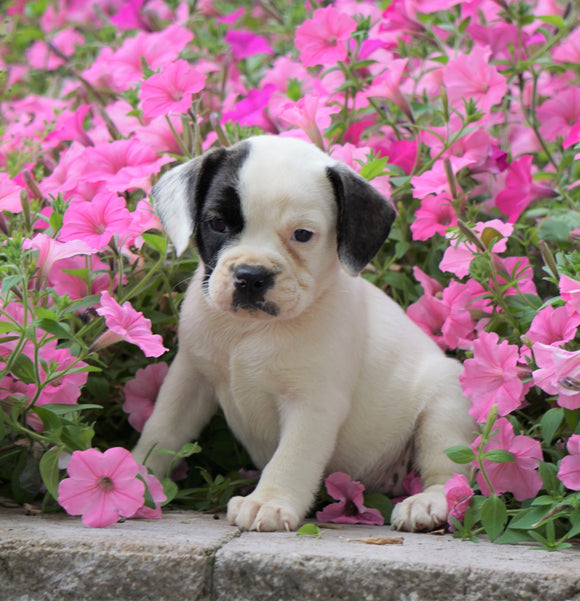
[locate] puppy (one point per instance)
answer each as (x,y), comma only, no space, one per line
(316,369)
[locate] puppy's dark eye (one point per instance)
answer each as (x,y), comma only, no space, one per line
(218,225)
(302,235)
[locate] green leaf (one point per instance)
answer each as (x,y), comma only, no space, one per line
(159,243)
(189,449)
(548,474)
(375,500)
(62,409)
(493,516)
(53,327)
(550,423)
(554,20)
(499,456)
(9,281)
(23,369)
(6,326)
(373,168)
(526,518)
(170,489)
(50,421)
(460,454)
(50,472)
(309,530)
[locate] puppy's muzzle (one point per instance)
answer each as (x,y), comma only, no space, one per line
(251,282)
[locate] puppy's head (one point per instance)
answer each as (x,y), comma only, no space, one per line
(273,219)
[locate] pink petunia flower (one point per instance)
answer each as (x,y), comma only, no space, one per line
(251,110)
(323,40)
(471,76)
(458,494)
(491,377)
(141,393)
(520,476)
(246,43)
(558,374)
(157,493)
(520,189)
(350,508)
(388,85)
(70,126)
(554,326)
(94,223)
(435,215)
(569,472)
(560,113)
(9,194)
(570,292)
(125,323)
(101,487)
(170,91)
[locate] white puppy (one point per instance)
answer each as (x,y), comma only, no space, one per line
(316,370)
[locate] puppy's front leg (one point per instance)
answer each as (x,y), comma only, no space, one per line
(185,404)
(290,480)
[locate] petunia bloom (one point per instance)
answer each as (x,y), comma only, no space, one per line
(323,40)
(569,472)
(125,323)
(102,487)
(435,215)
(246,43)
(170,91)
(558,374)
(141,393)
(458,494)
(520,476)
(570,292)
(491,377)
(554,326)
(350,508)
(158,496)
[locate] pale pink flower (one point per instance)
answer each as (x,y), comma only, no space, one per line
(310,115)
(471,76)
(560,113)
(569,472)
(458,328)
(323,40)
(520,190)
(554,326)
(170,91)
(558,374)
(491,377)
(65,276)
(95,222)
(121,165)
(9,194)
(125,323)
(388,85)
(570,292)
(101,487)
(458,494)
(434,216)
(158,135)
(40,55)
(157,493)
(246,43)
(350,508)
(519,477)
(51,250)
(430,313)
(141,393)
(568,50)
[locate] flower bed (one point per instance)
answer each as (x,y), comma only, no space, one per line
(465,114)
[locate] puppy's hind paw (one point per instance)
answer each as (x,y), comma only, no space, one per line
(421,513)
(263,515)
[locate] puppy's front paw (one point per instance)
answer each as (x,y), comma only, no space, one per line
(422,512)
(264,515)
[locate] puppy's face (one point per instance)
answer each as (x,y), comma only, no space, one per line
(273,219)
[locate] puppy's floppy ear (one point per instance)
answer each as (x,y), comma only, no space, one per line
(179,192)
(364,217)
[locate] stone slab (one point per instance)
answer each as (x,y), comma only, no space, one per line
(191,557)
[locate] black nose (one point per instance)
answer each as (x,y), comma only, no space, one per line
(252,279)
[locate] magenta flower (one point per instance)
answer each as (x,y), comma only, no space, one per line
(245,44)
(102,487)
(558,374)
(471,76)
(94,223)
(69,126)
(251,110)
(350,508)
(323,40)
(141,393)
(170,91)
(570,292)
(520,476)
(125,323)
(458,494)
(435,215)
(520,189)
(491,377)
(569,472)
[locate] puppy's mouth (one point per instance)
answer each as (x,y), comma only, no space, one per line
(267,307)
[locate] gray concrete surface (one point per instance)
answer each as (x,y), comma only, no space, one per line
(191,557)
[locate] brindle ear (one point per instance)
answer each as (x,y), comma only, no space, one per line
(364,217)
(179,191)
